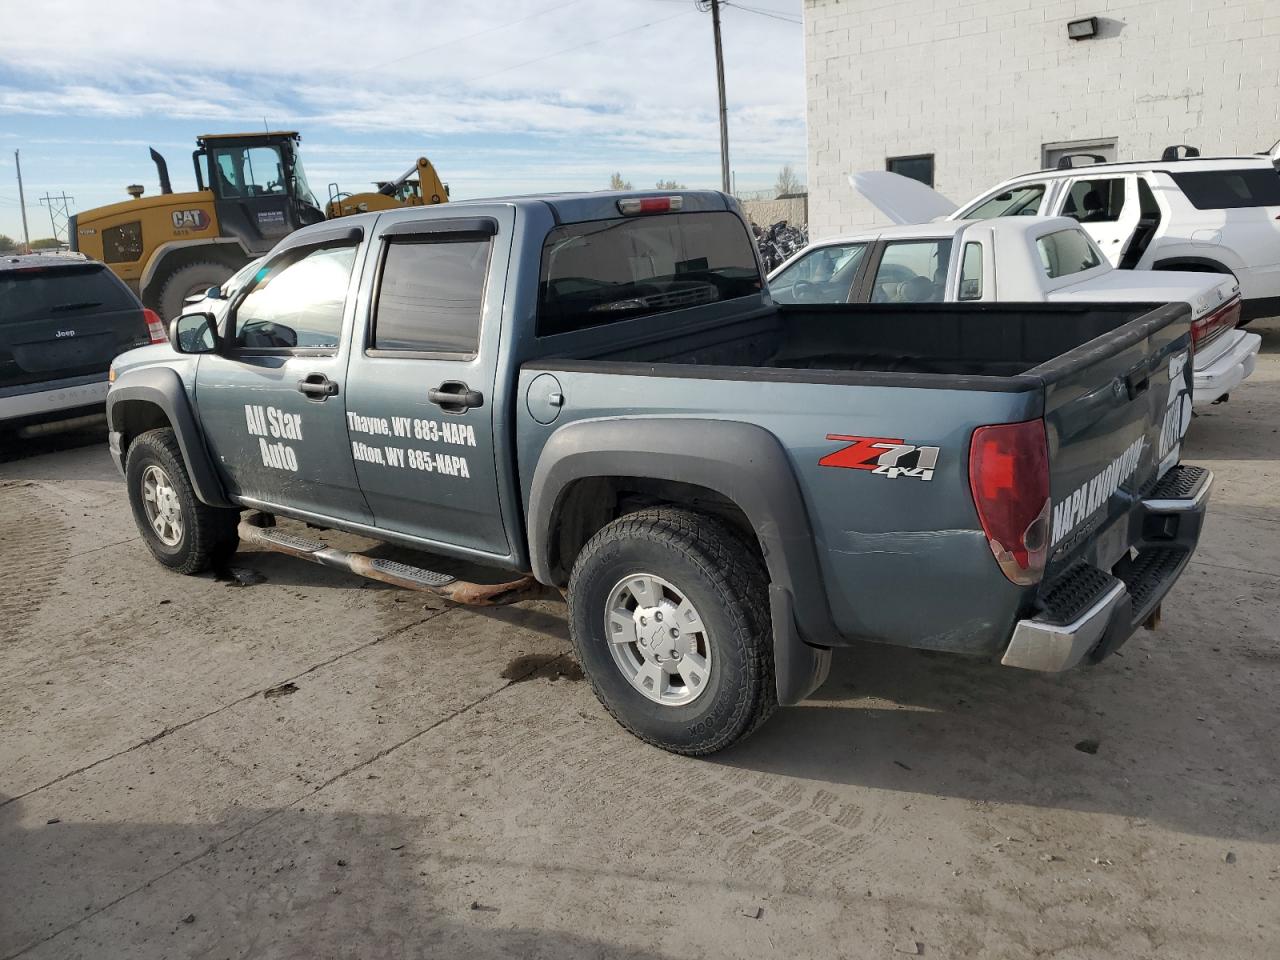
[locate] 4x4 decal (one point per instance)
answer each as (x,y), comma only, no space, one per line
(882,455)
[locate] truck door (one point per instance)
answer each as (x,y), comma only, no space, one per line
(420,403)
(272,401)
(1107,208)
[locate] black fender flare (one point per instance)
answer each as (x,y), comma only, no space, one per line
(742,462)
(1196,264)
(162,387)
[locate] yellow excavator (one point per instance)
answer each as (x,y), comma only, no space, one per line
(418,186)
(251,190)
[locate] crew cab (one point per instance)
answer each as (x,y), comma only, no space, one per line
(596,393)
(1021,259)
(62,320)
(1181,212)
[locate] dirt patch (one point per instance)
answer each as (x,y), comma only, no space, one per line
(544,665)
(33,551)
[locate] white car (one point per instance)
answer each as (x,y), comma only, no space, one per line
(1182,212)
(1018,259)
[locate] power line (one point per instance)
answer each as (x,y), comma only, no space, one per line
(589,43)
(771,14)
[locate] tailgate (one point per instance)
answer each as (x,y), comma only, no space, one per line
(64,321)
(1115,412)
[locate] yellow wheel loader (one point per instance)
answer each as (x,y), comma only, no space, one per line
(251,191)
(418,186)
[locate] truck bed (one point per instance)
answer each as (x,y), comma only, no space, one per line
(978,340)
(1106,380)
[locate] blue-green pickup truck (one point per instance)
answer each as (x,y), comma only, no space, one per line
(595,391)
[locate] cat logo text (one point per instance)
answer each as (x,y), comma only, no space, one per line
(882,455)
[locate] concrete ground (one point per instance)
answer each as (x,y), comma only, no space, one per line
(441,784)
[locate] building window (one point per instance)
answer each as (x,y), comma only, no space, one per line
(1084,152)
(919,167)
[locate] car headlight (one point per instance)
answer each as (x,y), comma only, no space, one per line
(111,373)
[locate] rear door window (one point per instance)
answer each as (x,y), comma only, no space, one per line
(1020,201)
(971,272)
(430,297)
(1095,201)
(604,271)
(1229,189)
(1065,252)
(58,293)
(912,271)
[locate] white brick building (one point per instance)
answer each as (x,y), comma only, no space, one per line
(992,88)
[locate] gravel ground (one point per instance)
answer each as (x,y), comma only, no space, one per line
(439,783)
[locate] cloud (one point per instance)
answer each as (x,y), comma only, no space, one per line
(516,94)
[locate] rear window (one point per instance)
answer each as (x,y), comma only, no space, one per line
(608,270)
(1066,252)
(57,292)
(1228,189)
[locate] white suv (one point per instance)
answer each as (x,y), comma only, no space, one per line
(1182,212)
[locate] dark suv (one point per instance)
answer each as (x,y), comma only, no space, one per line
(63,319)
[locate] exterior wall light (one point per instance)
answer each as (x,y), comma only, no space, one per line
(1083,29)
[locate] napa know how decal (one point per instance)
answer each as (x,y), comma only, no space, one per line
(1177,412)
(883,456)
(1086,499)
(1090,497)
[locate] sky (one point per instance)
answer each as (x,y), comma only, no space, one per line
(509,96)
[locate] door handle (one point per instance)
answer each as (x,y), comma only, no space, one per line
(317,387)
(454,396)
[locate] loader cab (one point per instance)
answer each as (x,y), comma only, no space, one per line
(260,190)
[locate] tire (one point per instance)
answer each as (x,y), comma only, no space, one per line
(193,278)
(203,536)
(700,561)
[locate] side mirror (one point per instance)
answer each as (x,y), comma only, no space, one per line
(194,333)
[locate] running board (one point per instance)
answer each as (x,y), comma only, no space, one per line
(391,571)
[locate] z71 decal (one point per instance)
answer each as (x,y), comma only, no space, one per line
(884,456)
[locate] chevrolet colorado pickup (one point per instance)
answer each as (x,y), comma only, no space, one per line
(597,391)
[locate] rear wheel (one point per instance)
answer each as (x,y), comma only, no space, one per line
(181,532)
(669,618)
(194,278)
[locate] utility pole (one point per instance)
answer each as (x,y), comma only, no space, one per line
(59,213)
(714,6)
(22,204)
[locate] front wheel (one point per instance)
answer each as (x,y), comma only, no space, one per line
(669,618)
(180,531)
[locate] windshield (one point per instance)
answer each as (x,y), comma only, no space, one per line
(302,189)
(823,275)
(603,271)
(240,172)
(1021,201)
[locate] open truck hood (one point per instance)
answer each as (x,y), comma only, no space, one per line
(900,198)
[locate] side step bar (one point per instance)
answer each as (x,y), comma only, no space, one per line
(391,571)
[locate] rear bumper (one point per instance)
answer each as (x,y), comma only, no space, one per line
(41,401)
(1227,371)
(1089,612)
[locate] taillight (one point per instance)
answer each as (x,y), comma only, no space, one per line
(155,326)
(1211,325)
(633,205)
(1009,479)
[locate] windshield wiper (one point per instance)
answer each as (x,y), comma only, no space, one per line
(64,307)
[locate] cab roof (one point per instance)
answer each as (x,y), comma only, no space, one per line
(251,135)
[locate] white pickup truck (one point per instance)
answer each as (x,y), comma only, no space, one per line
(1019,259)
